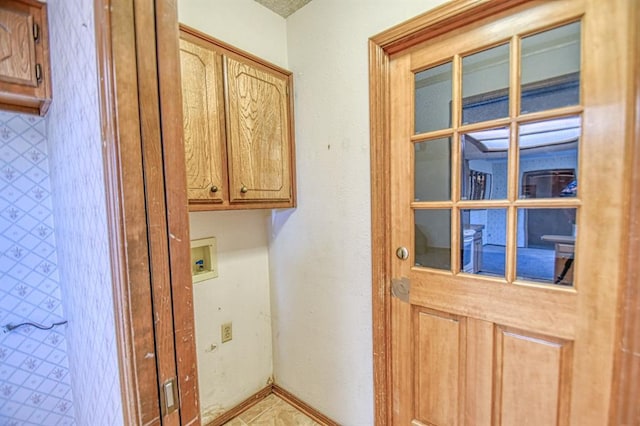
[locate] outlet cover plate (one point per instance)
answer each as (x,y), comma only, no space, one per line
(226,332)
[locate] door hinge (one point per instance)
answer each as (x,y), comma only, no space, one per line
(36,32)
(400,288)
(169,396)
(38,73)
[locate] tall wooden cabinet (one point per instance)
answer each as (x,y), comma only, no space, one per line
(238,127)
(25,82)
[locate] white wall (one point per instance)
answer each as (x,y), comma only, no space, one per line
(320,254)
(244,24)
(77,179)
(231,372)
(235,370)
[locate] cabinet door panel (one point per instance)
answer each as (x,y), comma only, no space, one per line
(17,50)
(258,134)
(25,81)
(203,115)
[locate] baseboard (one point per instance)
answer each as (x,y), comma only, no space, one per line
(242,407)
(282,393)
(303,406)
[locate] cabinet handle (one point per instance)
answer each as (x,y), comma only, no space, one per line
(244,189)
(214,189)
(38,73)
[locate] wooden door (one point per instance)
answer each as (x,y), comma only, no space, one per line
(203,115)
(141,118)
(505,342)
(258,138)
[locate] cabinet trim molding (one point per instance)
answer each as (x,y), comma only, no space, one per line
(232,50)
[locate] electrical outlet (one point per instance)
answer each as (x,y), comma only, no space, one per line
(227,332)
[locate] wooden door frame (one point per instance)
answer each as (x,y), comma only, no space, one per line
(448,17)
(626,386)
(141,121)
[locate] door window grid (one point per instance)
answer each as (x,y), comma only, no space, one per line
(514,202)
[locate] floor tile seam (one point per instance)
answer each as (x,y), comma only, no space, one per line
(269,412)
(248,421)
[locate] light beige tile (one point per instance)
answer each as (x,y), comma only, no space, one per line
(235,422)
(291,408)
(258,409)
(283,414)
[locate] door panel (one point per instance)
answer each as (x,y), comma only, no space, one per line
(511,347)
(479,366)
(531,384)
(524,305)
(439,358)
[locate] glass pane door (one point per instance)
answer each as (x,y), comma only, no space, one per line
(496,138)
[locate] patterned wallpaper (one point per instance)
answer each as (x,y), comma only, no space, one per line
(75,148)
(34,371)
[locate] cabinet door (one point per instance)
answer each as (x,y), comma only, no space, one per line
(203,115)
(258,133)
(25,82)
(17,46)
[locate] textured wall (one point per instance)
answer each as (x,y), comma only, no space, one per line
(233,371)
(34,371)
(229,373)
(79,209)
(320,255)
(244,24)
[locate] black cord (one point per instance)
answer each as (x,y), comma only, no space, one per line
(10,327)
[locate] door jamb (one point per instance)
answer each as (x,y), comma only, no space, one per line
(440,20)
(626,379)
(127,213)
(121,131)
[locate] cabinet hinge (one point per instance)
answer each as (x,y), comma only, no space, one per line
(36,32)
(169,396)
(38,73)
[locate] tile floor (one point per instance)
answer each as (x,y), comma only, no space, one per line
(272,411)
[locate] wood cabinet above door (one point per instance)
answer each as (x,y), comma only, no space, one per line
(238,127)
(25,82)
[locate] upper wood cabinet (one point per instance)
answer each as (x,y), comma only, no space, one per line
(203,115)
(238,127)
(25,81)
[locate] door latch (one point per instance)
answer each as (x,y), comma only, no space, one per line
(400,288)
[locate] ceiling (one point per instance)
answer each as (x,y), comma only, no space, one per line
(283,8)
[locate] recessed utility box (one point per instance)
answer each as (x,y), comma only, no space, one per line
(204,259)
